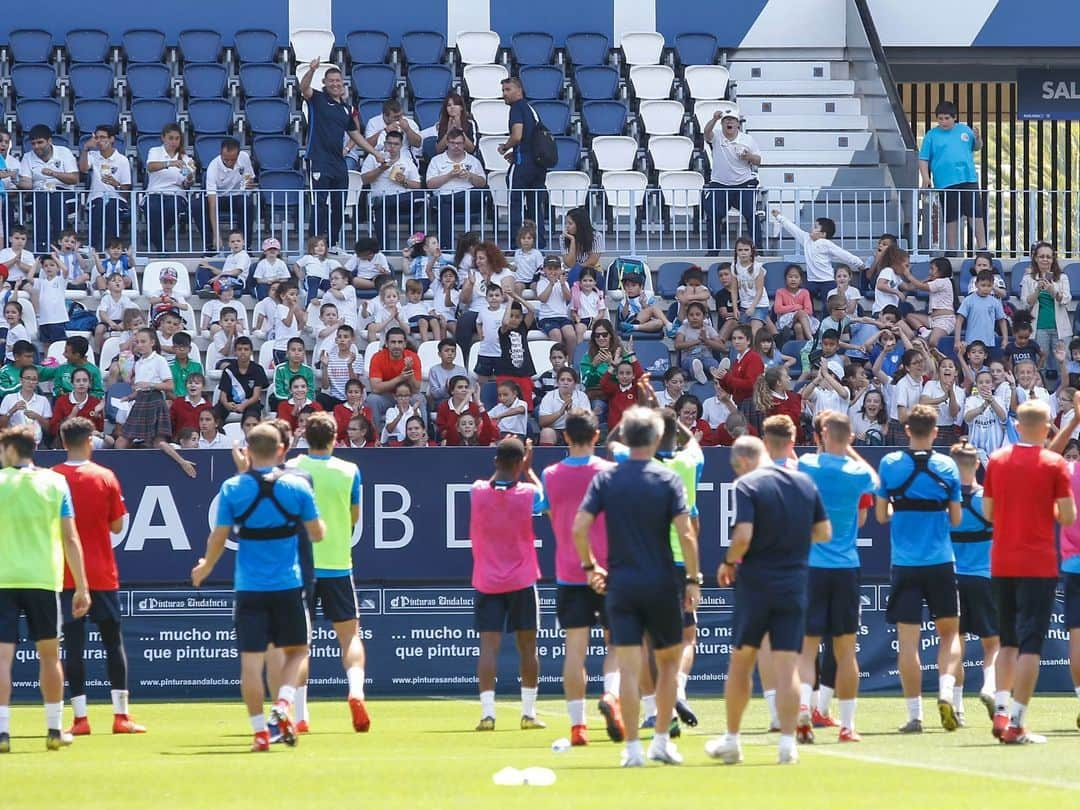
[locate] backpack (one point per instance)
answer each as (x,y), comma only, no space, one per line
(544,151)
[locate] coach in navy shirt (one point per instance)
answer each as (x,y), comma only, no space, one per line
(526,178)
(330,118)
(778,513)
(641,499)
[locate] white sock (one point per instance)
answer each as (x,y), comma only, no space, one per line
(633,748)
(989,680)
(487,703)
(648,703)
(732,738)
(824,702)
(1077,690)
(5,719)
(945,687)
(119,702)
(847,714)
(576,710)
(680,688)
(78,705)
(914,708)
(958,698)
(1001,700)
(258,722)
(612,681)
(356,681)
(300,709)
(660,740)
(528,701)
(787,743)
(806,691)
(287,693)
(770,702)
(1017,711)
(54,716)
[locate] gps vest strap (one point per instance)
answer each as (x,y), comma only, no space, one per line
(983,535)
(901,502)
(290,528)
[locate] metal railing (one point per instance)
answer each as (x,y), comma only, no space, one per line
(639,221)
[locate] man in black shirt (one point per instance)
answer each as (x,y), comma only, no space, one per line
(526,178)
(242,383)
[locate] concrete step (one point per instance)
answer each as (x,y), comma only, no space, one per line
(819,157)
(806,177)
(803,141)
(796,87)
(766,122)
(767,105)
(786,70)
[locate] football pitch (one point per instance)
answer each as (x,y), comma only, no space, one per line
(424,753)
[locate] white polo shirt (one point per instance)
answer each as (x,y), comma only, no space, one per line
(115,165)
(442,164)
(221,180)
(728,168)
(383,185)
(61,160)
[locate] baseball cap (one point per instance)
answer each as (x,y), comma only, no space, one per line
(730,114)
(552,261)
(169,274)
(270,243)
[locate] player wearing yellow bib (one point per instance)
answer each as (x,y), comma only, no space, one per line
(337,495)
(36,535)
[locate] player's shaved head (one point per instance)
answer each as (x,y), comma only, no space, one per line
(779,433)
(747,454)
(263,442)
(1033,421)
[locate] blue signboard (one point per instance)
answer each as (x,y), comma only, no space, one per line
(1048,95)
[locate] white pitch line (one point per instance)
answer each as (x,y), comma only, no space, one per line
(950,769)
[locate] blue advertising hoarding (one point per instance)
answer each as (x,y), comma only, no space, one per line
(1051,94)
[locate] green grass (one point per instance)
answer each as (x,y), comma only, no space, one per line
(423,753)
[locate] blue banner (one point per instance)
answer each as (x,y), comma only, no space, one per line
(1048,95)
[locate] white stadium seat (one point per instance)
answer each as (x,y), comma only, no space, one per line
(706,81)
(614,152)
(567,190)
(109,350)
(624,191)
(309,43)
(662,117)
(642,47)
(485,81)
(704,109)
(489,151)
(670,152)
(540,351)
(477,47)
(151,285)
(500,194)
(652,81)
(681,191)
(492,116)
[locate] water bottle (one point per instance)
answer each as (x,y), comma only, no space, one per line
(560,745)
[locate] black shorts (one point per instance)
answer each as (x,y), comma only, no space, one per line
(263,618)
(42,611)
(336,596)
(507,612)
(1024,608)
(832,602)
(485,366)
(978,612)
(914,584)
(761,611)
(1072,600)
(963,199)
(689,617)
(637,610)
(579,606)
(104,606)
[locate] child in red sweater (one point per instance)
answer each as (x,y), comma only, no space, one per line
(184,412)
(621,391)
(773,395)
(739,379)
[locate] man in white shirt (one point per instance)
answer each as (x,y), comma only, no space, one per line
(110,180)
(52,173)
(391,180)
(9,175)
(228,177)
(456,177)
(735,155)
(393,119)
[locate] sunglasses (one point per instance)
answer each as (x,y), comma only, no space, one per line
(601,334)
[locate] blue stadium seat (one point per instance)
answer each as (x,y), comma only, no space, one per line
(368,47)
(427,146)
(423,47)
(426,110)
(541,82)
(256,45)
(207,147)
(554,114)
(1016,277)
(210,116)
(701,390)
(373,81)
(30,45)
(262,80)
(143,45)
(33,80)
(200,45)
(668,276)
(533,48)
(774,275)
(91,81)
(149,81)
(87,45)
(267,116)
(696,49)
(58,140)
(281,190)
(371,107)
(430,81)
(947,346)
(1072,272)
(587,49)
(569,149)
(489,394)
(92,112)
(604,117)
(276,152)
(652,354)
(205,80)
(793,348)
(34,111)
(150,115)
(143,145)
(967,264)
(597,83)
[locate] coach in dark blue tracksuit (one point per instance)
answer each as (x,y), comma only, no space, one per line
(778,514)
(330,118)
(526,178)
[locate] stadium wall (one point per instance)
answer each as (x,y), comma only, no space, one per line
(412,567)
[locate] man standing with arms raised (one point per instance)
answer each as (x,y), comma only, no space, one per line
(640,499)
(778,514)
(1026,489)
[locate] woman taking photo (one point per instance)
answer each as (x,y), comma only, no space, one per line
(1045,291)
(170,173)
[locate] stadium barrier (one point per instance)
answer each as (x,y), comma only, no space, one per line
(638,221)
(412,569)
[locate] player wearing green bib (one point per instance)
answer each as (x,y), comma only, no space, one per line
(36,534)
(337,495)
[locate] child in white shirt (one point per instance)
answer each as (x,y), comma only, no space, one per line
(445,298)
(20,262)
(527,259)
(586,299)
(110,311)
(313,268)
(419,313)
(343,295)
(47,296)
(270,267)
(289,320)
(211,313)
(263,314)
(368,263)
(510,415)
(14,328)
